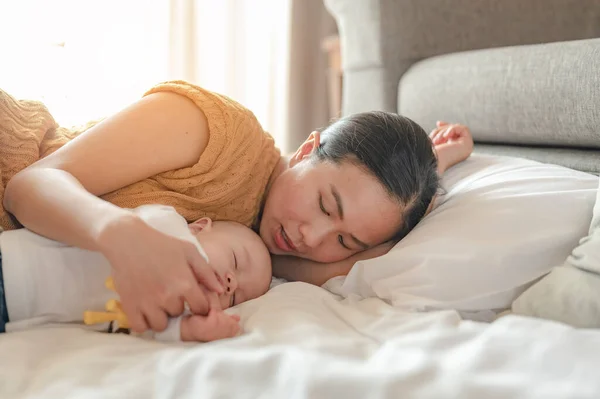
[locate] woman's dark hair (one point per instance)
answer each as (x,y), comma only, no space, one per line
(395,150)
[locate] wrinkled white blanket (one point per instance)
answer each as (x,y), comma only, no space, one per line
(303,342)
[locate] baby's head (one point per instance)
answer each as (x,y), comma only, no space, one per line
(238,255)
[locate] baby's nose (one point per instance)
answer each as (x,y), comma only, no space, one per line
(230,283)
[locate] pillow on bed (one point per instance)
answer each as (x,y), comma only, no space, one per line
(502,223)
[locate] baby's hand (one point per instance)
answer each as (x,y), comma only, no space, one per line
(453,143)
(217,325)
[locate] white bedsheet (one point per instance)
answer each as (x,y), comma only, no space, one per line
(303,342)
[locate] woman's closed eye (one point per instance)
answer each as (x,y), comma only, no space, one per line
(322,206)
(324,210)
(342,243)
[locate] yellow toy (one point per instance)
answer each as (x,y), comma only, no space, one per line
(114,312)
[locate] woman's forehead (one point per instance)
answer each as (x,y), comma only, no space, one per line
(348,178)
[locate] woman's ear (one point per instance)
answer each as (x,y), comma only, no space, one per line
(203,224)
(310,144)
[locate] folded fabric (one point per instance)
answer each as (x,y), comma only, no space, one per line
(569,293)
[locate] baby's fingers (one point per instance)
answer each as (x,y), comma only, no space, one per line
(227,325)
(234,326)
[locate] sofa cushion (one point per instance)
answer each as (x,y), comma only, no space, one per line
(545,94)
(585,160)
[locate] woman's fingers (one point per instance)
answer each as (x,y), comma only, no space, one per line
(442,136)
(156,274)
(435,135)
(203,272)
(134,314)
(156,318)
(445,133)
(450,132)
(136,319)
(195,298)
(173,306)
(213,301)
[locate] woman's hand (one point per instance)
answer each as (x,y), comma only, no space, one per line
(453,144)
(155,273)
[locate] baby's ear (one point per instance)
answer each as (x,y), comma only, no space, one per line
(204,224)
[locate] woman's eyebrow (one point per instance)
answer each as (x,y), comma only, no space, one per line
(338,201)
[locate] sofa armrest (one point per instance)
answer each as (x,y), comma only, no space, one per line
(381,39)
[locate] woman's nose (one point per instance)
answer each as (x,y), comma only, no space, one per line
(314,233)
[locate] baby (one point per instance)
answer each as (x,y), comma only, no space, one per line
(44,281)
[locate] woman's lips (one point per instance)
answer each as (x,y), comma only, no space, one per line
(283,242)
(289,242)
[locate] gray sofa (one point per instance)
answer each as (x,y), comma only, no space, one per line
(524,75)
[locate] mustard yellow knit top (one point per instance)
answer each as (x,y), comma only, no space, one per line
(227,183)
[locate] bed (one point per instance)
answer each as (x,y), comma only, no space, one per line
(304,342)
(369,334)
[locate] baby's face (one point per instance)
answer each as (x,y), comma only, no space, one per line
(238,255)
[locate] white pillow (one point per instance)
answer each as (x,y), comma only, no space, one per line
(503,223)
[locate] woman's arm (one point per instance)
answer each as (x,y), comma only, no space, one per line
(298,269)
(57,197)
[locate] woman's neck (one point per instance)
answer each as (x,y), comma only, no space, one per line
(281,166)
